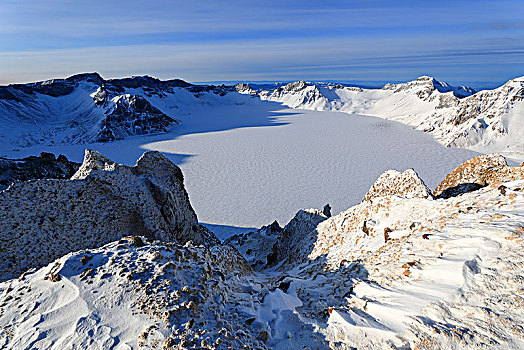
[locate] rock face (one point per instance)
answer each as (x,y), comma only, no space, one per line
(272,245)
(400,270)
(297,238)
(256,246)
(299,95)
(405,184)
(426,85)
(102,202)
(478,172)
(87,108)
(245,89)
(132,115)
(45,166)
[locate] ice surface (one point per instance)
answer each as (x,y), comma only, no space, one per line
(247,165)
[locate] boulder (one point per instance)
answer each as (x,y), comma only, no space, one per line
(103,201)
(405,184)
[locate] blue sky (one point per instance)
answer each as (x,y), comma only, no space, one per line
(472,42)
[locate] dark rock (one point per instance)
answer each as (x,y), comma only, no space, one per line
(136,241)
(133,116)
(460,189)
(47,155)
(7,94)
(46,166)
(327,210)
(85,259)
(365,228)
(284,286)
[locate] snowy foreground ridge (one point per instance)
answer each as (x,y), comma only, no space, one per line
(86,108)
(405,268)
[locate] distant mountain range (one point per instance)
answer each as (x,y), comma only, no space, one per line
(456,116)
(87,108)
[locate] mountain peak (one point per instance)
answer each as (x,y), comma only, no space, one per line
(90,77)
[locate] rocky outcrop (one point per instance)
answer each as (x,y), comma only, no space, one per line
(405,184)
(256,246)
(425,85)
(299,95)
(45,166)
(87,108)
(103,201)
(456,116)
(390,272)
(477,172)
(245,89)
(297,238)
(272,245)
(54,87)
(198,287)
(131,115)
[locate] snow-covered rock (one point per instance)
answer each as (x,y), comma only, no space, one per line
(405,184)
(425,85)
(153,295)
(299,95)
(487,169)
(245,89)
(297,238)
(87,108)
(256,246)
(103,201)
(131,115)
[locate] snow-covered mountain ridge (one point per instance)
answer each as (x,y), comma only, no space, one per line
(87,108)
(456,116)
(402,269)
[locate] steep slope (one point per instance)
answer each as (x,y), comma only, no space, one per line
(46,219)
(87,108)
(300,95)
(399,271)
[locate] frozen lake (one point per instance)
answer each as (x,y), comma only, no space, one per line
(247,165)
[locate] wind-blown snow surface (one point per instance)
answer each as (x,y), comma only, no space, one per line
(249,164)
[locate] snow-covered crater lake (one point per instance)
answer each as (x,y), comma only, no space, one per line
(249,164)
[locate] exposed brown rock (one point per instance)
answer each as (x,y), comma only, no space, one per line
(387,230)
(483,170)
